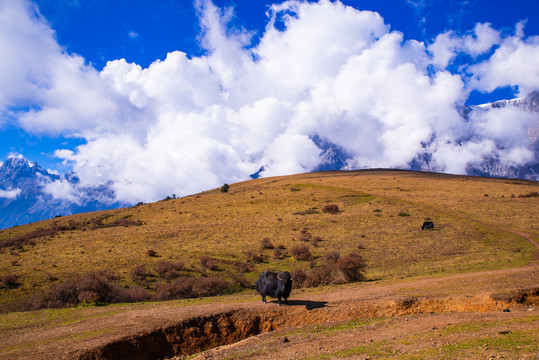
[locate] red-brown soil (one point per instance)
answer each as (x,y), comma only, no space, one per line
(420,306)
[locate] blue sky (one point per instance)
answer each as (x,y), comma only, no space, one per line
(212,72)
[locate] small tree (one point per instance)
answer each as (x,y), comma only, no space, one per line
(225,188)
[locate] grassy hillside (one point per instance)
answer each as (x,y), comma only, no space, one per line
(213,233)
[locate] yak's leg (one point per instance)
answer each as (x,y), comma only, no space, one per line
(264,299)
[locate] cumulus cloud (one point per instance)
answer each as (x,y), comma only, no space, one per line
(10,194)
(320,70)
(62,190)
(449,45)
(514,63)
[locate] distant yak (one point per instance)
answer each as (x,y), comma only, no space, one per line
(275,285)
(427,225)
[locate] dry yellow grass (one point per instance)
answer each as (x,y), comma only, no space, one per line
(381,215)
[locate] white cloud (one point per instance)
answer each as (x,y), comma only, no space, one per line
(514,63)
(448,45)
(186,124)
(62,190)
(10,194)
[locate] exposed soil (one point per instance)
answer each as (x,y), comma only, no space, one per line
(421,306)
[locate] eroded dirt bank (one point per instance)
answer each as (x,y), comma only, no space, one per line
(157,331)
(202,333)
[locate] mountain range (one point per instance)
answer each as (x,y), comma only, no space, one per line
(29,193)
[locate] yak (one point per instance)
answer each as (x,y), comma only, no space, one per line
(277,285)
(427,225)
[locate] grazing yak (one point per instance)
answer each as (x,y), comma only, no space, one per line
(275,285)
(427,225)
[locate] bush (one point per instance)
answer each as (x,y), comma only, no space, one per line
(305,235)
(168,270)
(301,252)
(266,243)
(277,254)
(138,273)
(299,278)
(332,257)
(18,242)
(207,263)
(181,288)
(253,257)
(151,253)
(243,267)
(224,188)
(209,286)
(93,288)
(324,275)
(10,281)
(187,287)
(331,209)
(315,240)
(352,266)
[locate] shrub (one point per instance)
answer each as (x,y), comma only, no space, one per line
(315,240)
(253,257)
(10,281)
(209,286)
(181,288)
(305,235)
(266,243)
(352,266)
(207,263)
(301,252)
(403,214)
(243,267)
(224,188)
(331,209)
(332,257)
(277,254)
(168,270)
(190,287)
(151,253)
(323,275)
(299,278)
(90,288)
(19,241)
(138,273)
(240,282)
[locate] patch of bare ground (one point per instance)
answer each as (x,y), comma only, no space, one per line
(365,320)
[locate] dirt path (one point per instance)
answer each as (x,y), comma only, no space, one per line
(175,328)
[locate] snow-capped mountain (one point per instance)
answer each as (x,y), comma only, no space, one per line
(29,193)
(334,158)
(493,166)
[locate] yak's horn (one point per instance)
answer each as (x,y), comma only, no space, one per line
(293,276)
(278,278)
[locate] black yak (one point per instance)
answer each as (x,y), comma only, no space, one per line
(275,285)
(427,225)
